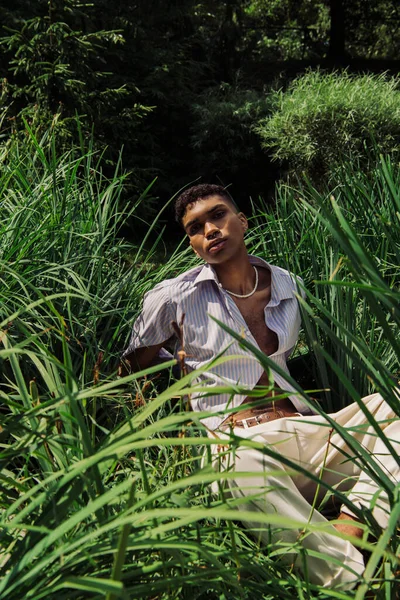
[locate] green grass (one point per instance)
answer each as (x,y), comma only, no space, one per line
(345,244)
(103,494)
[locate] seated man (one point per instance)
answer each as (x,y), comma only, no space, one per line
(258,301)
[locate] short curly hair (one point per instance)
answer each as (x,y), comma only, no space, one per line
(198,192)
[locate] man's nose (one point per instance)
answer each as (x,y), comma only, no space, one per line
(210,229)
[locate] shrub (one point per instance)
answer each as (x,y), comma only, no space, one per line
(323,117)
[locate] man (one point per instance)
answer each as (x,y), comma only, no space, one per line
(259,301)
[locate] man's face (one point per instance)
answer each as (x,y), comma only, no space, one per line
(215,229)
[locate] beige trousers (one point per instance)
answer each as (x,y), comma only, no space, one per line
(308,442)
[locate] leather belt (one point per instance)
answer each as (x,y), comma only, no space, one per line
(265,417)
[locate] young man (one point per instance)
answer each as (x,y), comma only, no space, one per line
(259,301)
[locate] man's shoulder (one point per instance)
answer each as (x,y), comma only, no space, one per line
(177,284)
(285,284)
(285,274)
(278,272)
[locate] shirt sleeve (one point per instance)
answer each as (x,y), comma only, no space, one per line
(154,324)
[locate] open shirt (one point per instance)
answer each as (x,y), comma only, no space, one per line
(197,294)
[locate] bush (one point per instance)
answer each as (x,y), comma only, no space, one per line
(323,117)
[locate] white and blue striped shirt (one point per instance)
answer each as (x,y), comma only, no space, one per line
(198,294)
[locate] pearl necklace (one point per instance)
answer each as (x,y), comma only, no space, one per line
(250,293)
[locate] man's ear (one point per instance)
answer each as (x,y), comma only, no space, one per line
(195,251)
(244,221)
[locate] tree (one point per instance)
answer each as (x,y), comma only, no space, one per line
(143,74)
(58,67)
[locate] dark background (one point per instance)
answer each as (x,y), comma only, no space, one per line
(178,85)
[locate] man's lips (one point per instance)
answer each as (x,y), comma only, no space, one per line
(216,245)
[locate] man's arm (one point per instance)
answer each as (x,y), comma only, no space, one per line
(151,331)
(138,360)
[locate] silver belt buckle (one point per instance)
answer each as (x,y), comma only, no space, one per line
(246,425)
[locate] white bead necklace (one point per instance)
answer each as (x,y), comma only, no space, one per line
(250,293)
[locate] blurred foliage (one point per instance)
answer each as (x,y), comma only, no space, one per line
(372,29)
(321,118)
(300,30)
(98,61)
(222,130)
(286,30)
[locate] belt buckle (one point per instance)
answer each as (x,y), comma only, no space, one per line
(246,425)
(265,417)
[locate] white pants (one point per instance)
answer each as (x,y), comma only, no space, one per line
(305,441)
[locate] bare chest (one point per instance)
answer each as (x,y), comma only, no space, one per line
(252,310)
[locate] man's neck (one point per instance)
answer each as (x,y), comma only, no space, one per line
(236,275)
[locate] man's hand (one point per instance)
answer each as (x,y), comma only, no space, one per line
(124,368)
(349,528)
(139,360)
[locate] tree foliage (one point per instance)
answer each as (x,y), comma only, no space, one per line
(334,29)
(161,79)
(58,65)
(98,61)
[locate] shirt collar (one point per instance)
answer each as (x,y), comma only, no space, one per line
(283,283)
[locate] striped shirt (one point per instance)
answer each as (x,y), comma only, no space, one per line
(197,294)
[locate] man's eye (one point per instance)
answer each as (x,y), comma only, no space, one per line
(193,230)
(219,214)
